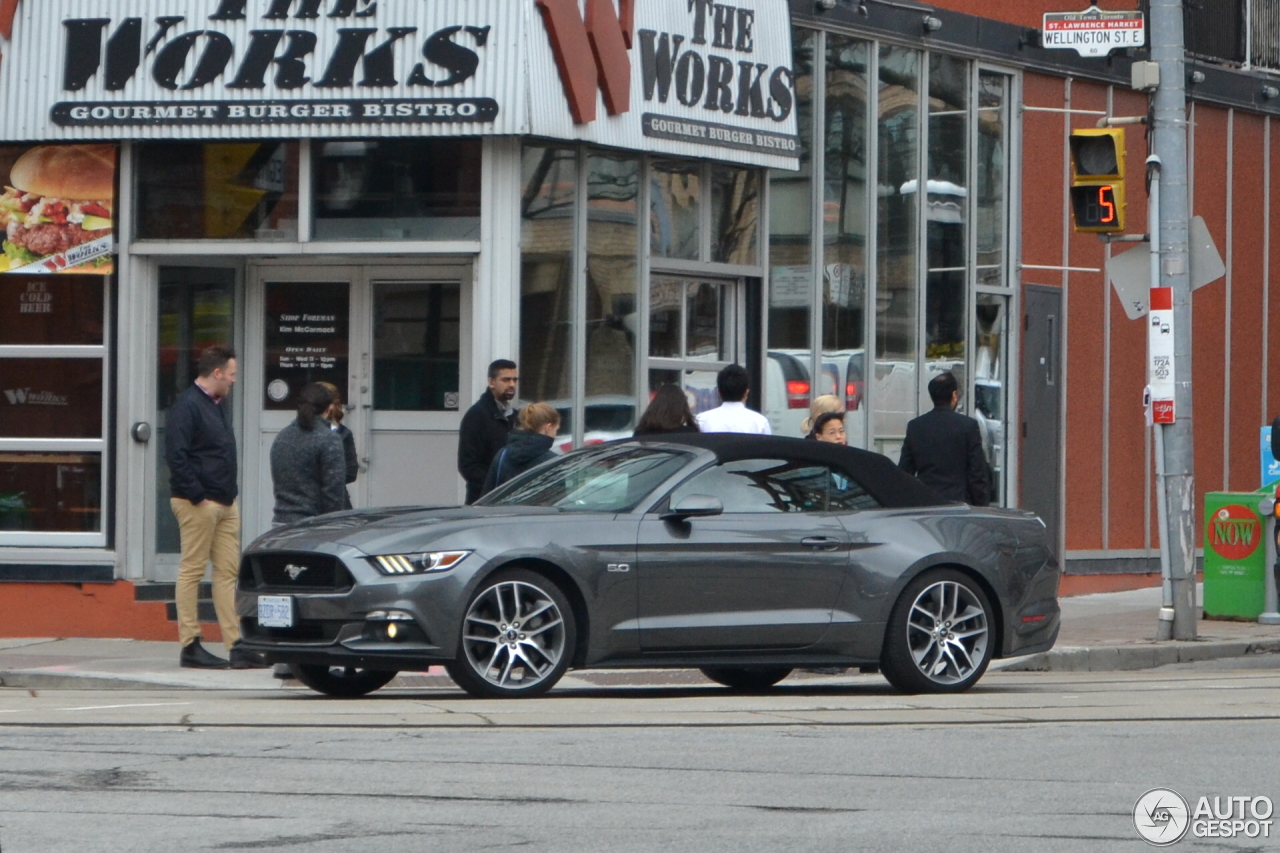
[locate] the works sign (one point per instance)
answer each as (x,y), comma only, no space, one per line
(701,76)
(673,76)
(249,68)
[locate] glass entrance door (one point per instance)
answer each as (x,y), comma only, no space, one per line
(390,339)
(695,329)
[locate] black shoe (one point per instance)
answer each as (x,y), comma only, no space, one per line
(242,658)
(195,656)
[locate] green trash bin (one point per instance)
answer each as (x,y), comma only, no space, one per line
(1235,555)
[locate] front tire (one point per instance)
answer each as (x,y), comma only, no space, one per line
(746,679)
(518,637)
(940,636)
(341,682)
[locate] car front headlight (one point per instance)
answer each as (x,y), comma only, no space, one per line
(417,564)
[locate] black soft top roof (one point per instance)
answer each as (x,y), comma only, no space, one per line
(886,482)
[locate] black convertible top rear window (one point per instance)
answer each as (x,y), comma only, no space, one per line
(892,487)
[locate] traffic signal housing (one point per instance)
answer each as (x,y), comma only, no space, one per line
(1097,179)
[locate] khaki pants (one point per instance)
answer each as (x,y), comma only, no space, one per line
(210,533)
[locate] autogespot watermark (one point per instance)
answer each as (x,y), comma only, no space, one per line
(1162,817)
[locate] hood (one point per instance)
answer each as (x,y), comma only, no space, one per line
(525,447)
(389,530)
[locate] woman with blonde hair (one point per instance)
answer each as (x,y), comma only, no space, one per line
(820,406)
(528,445)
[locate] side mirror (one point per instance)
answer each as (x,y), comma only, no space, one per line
(694,506)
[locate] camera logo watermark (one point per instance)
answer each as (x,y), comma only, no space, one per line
(1162,817)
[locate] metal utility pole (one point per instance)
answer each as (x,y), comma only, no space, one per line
(1169,133)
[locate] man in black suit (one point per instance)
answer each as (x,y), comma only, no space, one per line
(943,448)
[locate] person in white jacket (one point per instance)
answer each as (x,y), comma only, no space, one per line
(732,415)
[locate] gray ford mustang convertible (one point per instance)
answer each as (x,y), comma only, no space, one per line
(743,556)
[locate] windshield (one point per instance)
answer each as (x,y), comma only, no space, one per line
(608,479)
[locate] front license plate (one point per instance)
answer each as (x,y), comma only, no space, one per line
(275,611)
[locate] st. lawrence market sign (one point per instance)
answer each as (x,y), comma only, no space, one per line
(688,77)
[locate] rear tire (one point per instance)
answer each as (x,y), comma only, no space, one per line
(941,634)
(747,679)
(518,637)
(341,682)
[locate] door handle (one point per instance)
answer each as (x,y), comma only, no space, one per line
(821,543)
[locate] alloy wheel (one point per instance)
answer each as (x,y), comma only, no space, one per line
(947,632)
(514,635)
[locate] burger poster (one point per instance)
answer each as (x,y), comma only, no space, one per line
(57,208)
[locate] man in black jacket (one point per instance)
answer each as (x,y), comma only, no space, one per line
(943,448)
(200,448)
(486,425)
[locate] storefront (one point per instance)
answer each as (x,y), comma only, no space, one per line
(384,195)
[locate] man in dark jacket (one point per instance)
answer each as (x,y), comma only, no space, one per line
(200,449)
(943,448)
(486,425)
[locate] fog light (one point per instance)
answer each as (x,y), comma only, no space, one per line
(392,630)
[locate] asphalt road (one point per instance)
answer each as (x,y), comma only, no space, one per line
(1027,761)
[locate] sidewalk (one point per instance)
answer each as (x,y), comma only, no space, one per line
(1103,632)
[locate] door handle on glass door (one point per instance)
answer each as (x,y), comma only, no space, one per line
(822,543)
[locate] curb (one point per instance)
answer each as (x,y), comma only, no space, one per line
(62,681)
(1117,658)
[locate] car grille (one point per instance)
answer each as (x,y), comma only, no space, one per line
(294,572)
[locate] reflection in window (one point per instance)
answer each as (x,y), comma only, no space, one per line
(791,222)
(992,208)
(402,189)
(613,245)
(217,190)
(735,214)
(990,372)
(761,486)
(51,492)
(675,194)
(416,345)
(844,227)
(550,180)
(898,139)
(946,215)
(606,480)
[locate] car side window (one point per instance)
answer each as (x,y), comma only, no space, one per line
(848,495)
(762,485)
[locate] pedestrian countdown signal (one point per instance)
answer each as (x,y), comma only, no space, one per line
(1097,179)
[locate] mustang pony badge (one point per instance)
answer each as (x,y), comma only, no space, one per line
(294,571)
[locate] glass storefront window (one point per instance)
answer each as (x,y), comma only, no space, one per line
(946,217)
(791,224)
(196,308)
(613,247)
(403,189)
(217,190)
(735,215)
(51,492)
(547,216)
(675,214)
(990,392)
(898,140)
(65,310)
(416,345)
(51,398)
(992,181)
(844,229)
(307,339)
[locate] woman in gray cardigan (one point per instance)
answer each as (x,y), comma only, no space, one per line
(308,466)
